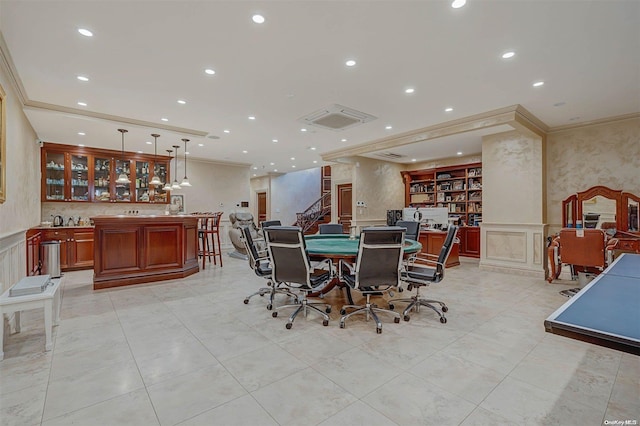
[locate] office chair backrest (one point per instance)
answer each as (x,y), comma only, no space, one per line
(288,254)
(412,229)
(380,256)
(330,228)
(268,223)
(252,250)
(449,241)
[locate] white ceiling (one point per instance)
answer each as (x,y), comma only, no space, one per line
(145,55)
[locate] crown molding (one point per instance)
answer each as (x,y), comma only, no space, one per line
(599,122)
(7,63)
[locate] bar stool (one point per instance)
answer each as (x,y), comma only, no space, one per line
(210,238)
(204,244)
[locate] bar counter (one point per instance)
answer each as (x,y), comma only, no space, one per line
(134,249)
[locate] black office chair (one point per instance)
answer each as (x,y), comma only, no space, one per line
(377,270)
(412,229)
(330,228)
(291,266)
(417,275)
(268,223)
(259,262)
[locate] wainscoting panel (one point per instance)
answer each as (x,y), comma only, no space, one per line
(513,248)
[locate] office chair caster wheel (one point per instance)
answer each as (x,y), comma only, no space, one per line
(396,320)
(288,325)
(409,287)
(269,307)
(391,306)
(443,320)
(341,324)
(275,314)
(406,318)
(343,312)
(328,310)
(379,330)
(325,323)
(261,294)
(445,309)
(246,301)
(400,289)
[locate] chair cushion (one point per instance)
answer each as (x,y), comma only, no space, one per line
(319,277)
(263,268)
(420,273)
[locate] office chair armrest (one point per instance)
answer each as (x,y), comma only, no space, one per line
(351,270)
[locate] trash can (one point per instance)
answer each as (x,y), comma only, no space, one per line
(50,257)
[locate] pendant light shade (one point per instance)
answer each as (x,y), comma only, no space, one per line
(123,178)
(156,179)
(167,185)
(175,184)
(185,180)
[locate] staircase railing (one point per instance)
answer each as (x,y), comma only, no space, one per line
(308,218)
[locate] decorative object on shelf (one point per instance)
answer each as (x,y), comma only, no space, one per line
(185,181)
(167,185)
(175,184)
(123,178)
(177,204)
(155,180)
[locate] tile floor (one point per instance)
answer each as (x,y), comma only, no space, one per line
(189,352)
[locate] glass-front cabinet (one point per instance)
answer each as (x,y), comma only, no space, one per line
(101,179)
(54,176)
(79,177)
(71,173)
(123,190)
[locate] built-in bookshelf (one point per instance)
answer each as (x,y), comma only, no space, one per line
(458,188)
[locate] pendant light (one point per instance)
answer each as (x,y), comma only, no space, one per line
(185,181)
(167,185)
(175,184)
(123,178)
(155,180)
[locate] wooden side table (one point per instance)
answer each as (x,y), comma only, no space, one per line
(48,299)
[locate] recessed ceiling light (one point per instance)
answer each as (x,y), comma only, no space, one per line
(507,55)
(457,4)
(258,19)
(459,153)
(254,175)
(293,158)
(164,119)
(293,166)
(414,160)
(343,140)
(85,32)
(139,152)
(538,84)
(275,170)
(303,130)
(252,117)
(209,71)
(81,133)
(448,109)
(409,90)
(227,131)
(80,144)
(82,78)
(187,153)
(255,168)
(82,103)
(315,161)
(272,164)
(350,63)
(149,143)
(244,151)
(313,148)
(388,127)
(200,144)
(181,102)
(274,140)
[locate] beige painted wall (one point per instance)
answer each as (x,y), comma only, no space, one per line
(378,184)
(512,181)
(577,159)
(293,193)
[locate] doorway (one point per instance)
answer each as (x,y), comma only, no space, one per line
(262,206)
(344,206)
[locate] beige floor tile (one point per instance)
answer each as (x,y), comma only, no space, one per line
(242,411)
(358,413)
(23,407)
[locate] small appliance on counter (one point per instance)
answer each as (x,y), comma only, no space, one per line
(58,220)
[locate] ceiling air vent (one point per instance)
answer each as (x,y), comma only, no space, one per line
(390,155)
(336,117)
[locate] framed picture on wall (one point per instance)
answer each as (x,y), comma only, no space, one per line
(178,200)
